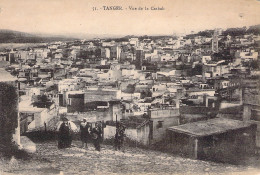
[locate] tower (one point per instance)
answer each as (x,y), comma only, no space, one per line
(139,58)
(215,42)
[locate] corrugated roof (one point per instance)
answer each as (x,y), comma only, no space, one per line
(209,127)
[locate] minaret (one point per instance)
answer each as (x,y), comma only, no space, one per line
(215,42)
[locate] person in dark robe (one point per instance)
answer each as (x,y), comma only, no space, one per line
(64,136)
(96,136)
(84,133)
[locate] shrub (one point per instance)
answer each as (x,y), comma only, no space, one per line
(11,150)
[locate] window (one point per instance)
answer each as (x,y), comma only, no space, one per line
(69,101)
(160,124)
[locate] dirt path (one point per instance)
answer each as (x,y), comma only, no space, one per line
(49,160)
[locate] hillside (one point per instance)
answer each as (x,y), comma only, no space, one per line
(238,31)
(10,36)
(50,160)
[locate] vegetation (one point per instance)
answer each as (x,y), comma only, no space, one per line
(254,64)
(243,31)
(130,88)
(205,33)
(8,121)
(230,31)
(141,38)
(42,101)
(235,31)
(197,70)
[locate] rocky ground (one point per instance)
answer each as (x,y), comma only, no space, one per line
(75,160)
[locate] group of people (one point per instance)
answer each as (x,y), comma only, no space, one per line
(88,133)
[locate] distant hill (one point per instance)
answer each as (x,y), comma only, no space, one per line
(243,31)
(238,31)
(10,36)
(140,37)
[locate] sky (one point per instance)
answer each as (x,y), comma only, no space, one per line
(77,16)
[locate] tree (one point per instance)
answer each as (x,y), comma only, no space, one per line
(42,101)
(235,31)
(197,70)
(255,64)
(206,33)
(130,88)
(8,115)
(98,52)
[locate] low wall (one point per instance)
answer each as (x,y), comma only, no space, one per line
(196,110)
(91,115)
(110,131)
(158,113)
(224,105)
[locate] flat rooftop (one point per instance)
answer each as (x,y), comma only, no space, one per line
(209,127)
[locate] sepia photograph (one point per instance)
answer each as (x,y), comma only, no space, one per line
(129,87)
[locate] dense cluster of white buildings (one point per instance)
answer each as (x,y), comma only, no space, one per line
(159,80)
